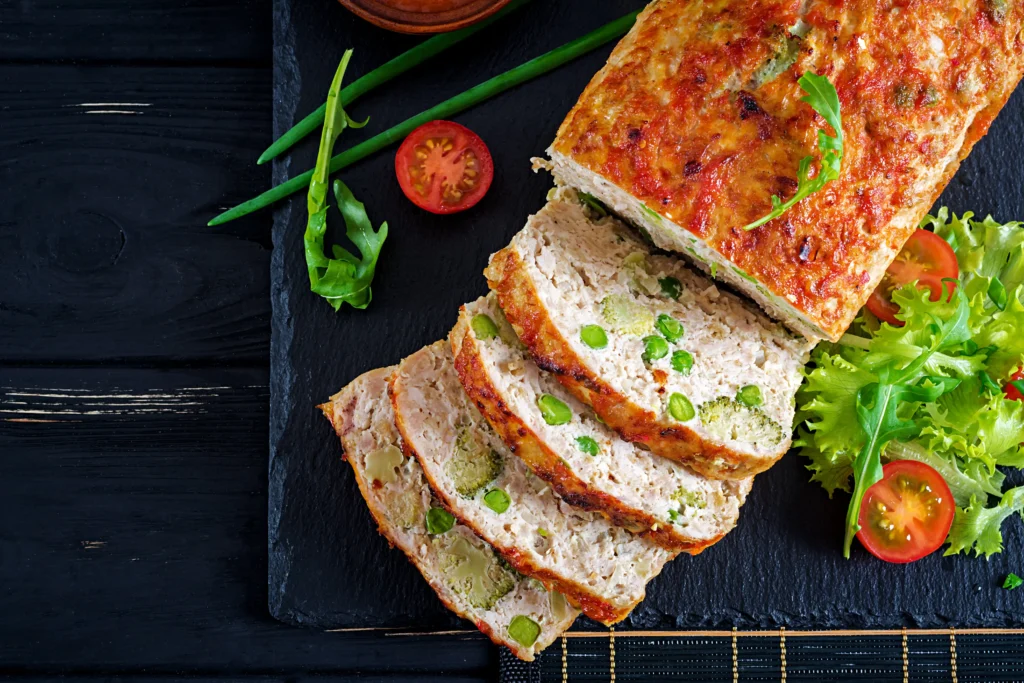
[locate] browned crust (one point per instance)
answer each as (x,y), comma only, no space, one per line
(507,275)
(337,418)
(593,606)
(544,462)
(657,123)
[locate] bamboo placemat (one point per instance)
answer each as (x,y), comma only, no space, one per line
(907,655)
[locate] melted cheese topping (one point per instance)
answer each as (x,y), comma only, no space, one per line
(679,120)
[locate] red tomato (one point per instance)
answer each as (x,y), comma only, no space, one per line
(925,258)
(444,167)
(1011,391)
(907,514)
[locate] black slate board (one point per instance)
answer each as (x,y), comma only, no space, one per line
(328,566)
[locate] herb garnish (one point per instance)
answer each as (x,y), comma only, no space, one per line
(1012,581)
(822,97)
(381,75)
(344,278)
(445,110)
(868,398)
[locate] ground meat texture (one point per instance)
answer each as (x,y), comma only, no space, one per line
(601,567)
(585,461)
(465,572)
(675,340)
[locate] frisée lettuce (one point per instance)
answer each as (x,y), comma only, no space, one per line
(931,390)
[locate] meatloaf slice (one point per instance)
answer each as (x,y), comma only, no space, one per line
(585,461)
(463,570)
(597,565)
(696,122)
(685,369)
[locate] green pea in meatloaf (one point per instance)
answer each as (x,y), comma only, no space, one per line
(663,355)
(465,572)
(585,461)
(600,567)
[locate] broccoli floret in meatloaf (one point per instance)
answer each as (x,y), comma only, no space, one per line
(473,464)
(474,572)
(729,420)
(625,315)
(690,499)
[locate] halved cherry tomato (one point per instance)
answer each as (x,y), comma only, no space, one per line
(1011,391)
(907,514)
(444,167)
(926,258)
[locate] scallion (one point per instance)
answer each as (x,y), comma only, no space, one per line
(381,75)
(486,90)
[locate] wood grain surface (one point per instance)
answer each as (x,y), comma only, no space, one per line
(155,31)
(116,171)
(133,358)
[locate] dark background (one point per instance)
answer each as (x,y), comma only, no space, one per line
(134,341)
(134,355)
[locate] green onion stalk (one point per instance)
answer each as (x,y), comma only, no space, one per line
(480,93)
(381,75)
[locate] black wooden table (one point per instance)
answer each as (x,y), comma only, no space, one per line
(133,356)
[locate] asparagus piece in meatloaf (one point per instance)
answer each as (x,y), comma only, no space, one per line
(597,565)
(468,576)
(689,371)
(585,461)
(696,122)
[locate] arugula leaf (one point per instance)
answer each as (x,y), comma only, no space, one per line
(1012,582)
(345,278)
(877,405)
(864,389)
(823,98)
(979,528)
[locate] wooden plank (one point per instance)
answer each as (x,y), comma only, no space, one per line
(133,533)
(145,31)
(109,177)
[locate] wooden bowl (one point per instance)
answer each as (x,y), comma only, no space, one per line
(423,16)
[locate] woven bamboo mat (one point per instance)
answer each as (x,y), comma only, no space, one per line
(907,655)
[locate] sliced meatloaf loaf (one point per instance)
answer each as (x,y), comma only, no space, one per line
(468,576)
(664,356)
(597,565)
(696,122)
(585,461)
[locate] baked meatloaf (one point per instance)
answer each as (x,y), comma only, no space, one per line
(600,567)
(564,443)
(468,576)
(696,121)
(665,358)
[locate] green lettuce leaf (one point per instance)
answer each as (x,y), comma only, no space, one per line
(1004,332)
(984,249)
(828,402)
(979,528)
(963,484)
(930,390)
(832,469)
